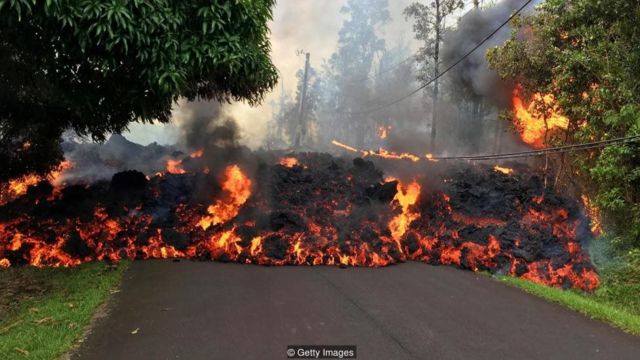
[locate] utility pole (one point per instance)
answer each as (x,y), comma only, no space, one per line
(436,60)
(301,125)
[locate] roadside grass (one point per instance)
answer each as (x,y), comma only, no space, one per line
(45,311)
(595,306)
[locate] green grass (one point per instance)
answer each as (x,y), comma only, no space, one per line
(595,306)
(46,323)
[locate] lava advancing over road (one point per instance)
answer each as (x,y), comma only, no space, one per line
(307,209)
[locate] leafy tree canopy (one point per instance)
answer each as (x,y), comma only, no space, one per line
(586,53)
(93,66)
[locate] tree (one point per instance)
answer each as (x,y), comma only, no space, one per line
(94,66)
(288,117)
(429,27)
(585,53)
(350,66)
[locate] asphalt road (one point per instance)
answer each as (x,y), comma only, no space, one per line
(205,310)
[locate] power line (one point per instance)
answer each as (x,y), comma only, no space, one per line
(529,153)
(545,151)
(366,112)
(389,69)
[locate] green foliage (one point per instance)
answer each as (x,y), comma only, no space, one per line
(591,305)
(94,66)
(621,282)
(350,66)
(585,53)
(429,28)
(47,323)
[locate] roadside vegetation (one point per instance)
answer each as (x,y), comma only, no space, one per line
(95,66)
(44,311)
(585,54)
(600,305)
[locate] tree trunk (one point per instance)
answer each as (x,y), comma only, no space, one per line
(436,60)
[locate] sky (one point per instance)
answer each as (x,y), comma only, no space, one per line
(308,25)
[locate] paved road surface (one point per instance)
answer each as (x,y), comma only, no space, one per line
(204,310)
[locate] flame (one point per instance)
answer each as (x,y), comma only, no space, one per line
(175,167)
(381,153)
(429,157)
(383,131)
(19,186)
(406,196)
(289,162)
(386,154)
(503,170)
(344,146)
(56,177)
(531,122)
(238,187)
(594,215)
(197,154)
(323,225)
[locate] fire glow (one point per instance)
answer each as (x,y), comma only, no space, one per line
(383,132)
(18,187)
(288,162)
(504,170)
(533,123)
(321,212)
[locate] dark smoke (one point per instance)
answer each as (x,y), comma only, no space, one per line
(206,125)
(473,75)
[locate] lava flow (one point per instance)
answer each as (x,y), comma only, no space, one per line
(316,210)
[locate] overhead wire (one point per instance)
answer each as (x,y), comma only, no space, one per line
(461,59)
(512,155)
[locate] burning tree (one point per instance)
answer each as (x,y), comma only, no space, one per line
(95,66)
(576,56)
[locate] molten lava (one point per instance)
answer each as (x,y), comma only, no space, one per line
(289,162)
(175,167)
(238,188)
(406,198)
(328,212)
(533,123)
(18,187)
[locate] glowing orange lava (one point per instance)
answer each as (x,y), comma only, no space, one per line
(175,167)
(238,188)
(406,196)
(289,162)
